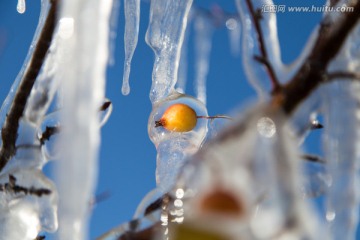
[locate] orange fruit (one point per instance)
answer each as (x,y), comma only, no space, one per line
(178,117)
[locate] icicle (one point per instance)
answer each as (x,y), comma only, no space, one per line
(165,34)
(21,6)
(233,25)
(82,67)
(113,25)
(203,31)
(183,65)
(342,142)
(7,103)
(132,20)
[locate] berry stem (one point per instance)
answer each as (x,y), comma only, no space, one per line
(216,116)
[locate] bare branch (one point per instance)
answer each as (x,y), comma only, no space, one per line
(11,125)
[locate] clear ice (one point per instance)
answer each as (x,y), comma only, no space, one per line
(21,6)
(132,21)
(203,40)
(173,148)
(165,35)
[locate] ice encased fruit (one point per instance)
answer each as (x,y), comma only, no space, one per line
(174,147)
(158,134)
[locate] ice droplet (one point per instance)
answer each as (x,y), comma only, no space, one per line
(231,24)
(266,127)
(21,6)
(330,216)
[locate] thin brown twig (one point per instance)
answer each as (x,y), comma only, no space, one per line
(215,117)
(256,17)
(11,125)
(342,75)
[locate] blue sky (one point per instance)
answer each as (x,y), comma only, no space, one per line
(127,157)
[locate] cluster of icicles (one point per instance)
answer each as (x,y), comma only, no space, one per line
(247,183)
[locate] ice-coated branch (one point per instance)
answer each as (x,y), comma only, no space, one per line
(263,58)
(12,187)
(333,32)
(11,125)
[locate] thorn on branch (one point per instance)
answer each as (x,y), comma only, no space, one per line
(315,125)
(48,133)
(313,158)
(40,238)
(105,106)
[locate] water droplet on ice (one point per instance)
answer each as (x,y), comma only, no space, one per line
(330,216)
(266,127)
(231,24)
(21,6)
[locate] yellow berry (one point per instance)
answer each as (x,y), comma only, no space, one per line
(178,117)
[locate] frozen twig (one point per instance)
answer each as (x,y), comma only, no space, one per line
(264,59)
(11,187)
(11,125)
